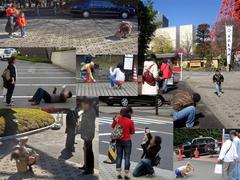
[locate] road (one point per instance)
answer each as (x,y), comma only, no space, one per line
(89,36)
(202,169)
(39,75)
(158,126)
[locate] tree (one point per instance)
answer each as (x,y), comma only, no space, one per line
(203,41)
(218,44)
(162,44)
(187,44)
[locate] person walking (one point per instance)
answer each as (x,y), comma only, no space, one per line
(87,131)
(165,74)
(218,79)
(236,168)
(124,144)
(10,84)
(227,156)
(11,24)
(150,75)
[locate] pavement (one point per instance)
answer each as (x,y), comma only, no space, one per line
(39,75)
(226,108)
(203,168)
(54,163)
(89,36)
(103,89)
(161,126)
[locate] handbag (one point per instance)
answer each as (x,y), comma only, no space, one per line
(148,77)
(117,132)
(157,160)
(6,74)
(218,169)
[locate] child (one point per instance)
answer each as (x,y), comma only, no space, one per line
(218,79)
(22,22)
(183,171)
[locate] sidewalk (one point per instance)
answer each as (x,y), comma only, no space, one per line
(107,171)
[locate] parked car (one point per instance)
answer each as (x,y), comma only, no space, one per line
(205,145)
(8,53)
(89,8)
(127,100)
(1,53)
(2,11)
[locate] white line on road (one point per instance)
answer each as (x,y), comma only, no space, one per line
(110,122)
(137,132)
(47,77)
(27,73)
(23,85)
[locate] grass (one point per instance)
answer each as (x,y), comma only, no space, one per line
(27,120)
(33,59)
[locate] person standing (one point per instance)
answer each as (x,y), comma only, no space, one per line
(22,22)
(12,81)
(87,131)
(236,142)
(124,144)
(227,156)
(11,14)
(165,74)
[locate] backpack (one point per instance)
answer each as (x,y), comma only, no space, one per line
(148,77)
(117,132)
(6,75)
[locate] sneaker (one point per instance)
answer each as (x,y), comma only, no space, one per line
(15,34)
(82,167)
(10,104)
(126,177)
(11,37)
(88,172)
(24,35)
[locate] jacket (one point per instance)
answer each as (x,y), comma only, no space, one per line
(166,71)
(71,121)
(151,151)
(181,100)
(218,78)
(12,70)
(10,12)
(22,22)
(87,128)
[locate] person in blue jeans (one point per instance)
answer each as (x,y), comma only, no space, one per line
(184,106)
(145,166)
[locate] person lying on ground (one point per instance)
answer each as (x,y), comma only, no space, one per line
(145,166)
(50,98)
(124,30)
(184,105)
(218,79)
(117,76)
(183,171)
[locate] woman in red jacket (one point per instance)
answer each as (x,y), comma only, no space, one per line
(124,145)
(166,74)
(22,22)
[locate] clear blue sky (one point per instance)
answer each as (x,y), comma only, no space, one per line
(180,12)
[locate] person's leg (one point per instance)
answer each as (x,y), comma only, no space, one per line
(89,157)
(119,157)
(137,172)
(70,141)
(189,113)
(148,166)
(127,155)
(112,80)
(164,85)
(10,90)
(217,89)
(227,171)
(4,94)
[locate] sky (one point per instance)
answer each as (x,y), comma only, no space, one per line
(182,12)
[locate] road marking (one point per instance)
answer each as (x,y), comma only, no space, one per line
(110,122)
(136,132)
(27,73)
(23,85)
(106,142)
(139,149)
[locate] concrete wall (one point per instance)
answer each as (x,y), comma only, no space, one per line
(65,59)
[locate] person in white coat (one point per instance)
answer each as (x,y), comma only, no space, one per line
(151,66)
(228,155)
(236,142)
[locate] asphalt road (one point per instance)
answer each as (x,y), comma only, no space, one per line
(159,126)
(202,169)
(31,76)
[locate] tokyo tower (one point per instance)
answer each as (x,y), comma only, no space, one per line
(230,9)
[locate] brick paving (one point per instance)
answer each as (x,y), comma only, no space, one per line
(103,89)
(90,36)
(227,107)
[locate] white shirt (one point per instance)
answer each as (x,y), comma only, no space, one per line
(120,76)
(236,142)
(229,156)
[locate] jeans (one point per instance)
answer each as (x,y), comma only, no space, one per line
(164,85)
(144,167)
(22,30)
(41,94)
(187,114)
(10,89)
(89,164)
(123,147)
(236,171)
(113,80)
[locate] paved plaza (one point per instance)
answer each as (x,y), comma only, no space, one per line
(39,75)
(90,36)
(226,108)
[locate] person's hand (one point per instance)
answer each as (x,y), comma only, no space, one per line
(94,80)
(110,69)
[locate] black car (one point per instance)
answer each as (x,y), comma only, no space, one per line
(2,11)
(126,100)
(102,7)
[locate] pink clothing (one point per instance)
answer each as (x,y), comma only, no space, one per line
(167,73)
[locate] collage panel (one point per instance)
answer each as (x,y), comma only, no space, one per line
(147,135)
(107,75)
(50,143)
(206,153)
(92,26)
(38,77)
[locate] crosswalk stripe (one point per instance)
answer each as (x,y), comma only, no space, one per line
(23,85)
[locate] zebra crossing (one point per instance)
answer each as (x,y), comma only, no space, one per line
(31,76)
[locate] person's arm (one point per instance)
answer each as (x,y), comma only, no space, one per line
(91,124)
(12,73)
(214,78)
(223,151)
(89,71)
(155,71)
(132,128)
(222,80)
(113,73)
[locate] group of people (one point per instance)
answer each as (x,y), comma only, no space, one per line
(82,121)
(229,157)
(9,77)
(155,77)
(123,128)
(16,21)
(87,73)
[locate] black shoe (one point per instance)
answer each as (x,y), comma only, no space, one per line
(126,177)
(119,176)
(88,172)
(82,168)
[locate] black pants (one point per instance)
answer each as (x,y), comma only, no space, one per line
(70,140)
(10,89)
(41,94)
(89,156)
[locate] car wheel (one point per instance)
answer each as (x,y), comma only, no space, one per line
(124,102)
(124,15)
(160,102)
(86,14)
